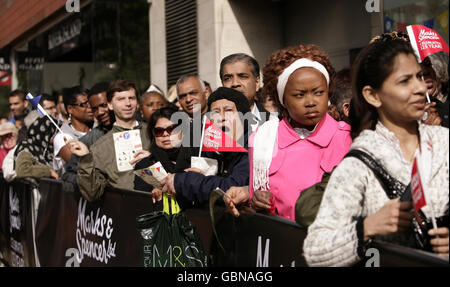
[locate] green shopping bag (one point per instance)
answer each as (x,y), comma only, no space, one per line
(169,239)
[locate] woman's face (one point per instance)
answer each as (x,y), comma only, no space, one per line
(150,104)
(402,94)
(431,80)
(306,97)
(166,137)
(82,109)
(226,117)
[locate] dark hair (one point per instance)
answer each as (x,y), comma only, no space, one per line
(18,93)
(121,86)
(47,97)
(341,88)
(372,66)
(240,57)
(283,58)
(160,113)
(98,88)
(70,95)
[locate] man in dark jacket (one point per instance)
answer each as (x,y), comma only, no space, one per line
(241,72)
(225,105)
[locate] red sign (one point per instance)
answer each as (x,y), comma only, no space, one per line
(214,139)
(5,78)
(416,187)
(426,41)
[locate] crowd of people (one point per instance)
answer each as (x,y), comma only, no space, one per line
(300,125)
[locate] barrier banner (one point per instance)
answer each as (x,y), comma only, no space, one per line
(258,240)
(72,232)
(16,234)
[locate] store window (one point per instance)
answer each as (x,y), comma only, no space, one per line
(431,13)
(107,40)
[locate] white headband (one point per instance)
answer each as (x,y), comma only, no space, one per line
(300,63)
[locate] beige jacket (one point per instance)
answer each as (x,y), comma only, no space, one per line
(98,168)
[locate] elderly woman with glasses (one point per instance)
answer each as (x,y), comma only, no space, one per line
(165,148)
(81,119)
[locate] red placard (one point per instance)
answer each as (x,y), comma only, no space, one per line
(214,139)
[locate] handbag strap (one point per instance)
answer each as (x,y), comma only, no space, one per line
(391,186)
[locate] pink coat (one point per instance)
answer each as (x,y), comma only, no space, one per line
(299,163)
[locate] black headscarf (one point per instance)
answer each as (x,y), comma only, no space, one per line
(227,160)
(38,141)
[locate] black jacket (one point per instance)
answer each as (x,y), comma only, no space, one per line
(193,188)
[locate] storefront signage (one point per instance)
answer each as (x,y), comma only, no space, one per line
(4,63)
(64,33)
(30,62)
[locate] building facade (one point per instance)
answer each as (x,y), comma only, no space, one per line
(46,45)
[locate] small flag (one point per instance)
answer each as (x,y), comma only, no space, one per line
(214,139)
(418,194)
(35,103)
(425,41)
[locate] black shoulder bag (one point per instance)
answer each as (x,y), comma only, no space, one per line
(394,189)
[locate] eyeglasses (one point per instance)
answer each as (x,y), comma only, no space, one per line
(159,132)
(83,105)
(104,105)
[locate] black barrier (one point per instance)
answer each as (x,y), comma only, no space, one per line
(258,240)
(16,223)
(73,232)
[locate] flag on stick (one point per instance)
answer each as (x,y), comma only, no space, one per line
(425,41)
(35,103)
(417,190)
(214,139)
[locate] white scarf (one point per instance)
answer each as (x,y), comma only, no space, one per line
(263,151)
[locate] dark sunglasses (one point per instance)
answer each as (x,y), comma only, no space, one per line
(83,105)
(159,132)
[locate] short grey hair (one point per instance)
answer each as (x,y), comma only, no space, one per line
(185,77)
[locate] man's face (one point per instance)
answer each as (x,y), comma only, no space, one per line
(99,106)
(124,104)
(190,93)
(49,107)
(9,141)
(239,76)
(17,106)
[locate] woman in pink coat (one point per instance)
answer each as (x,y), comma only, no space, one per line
(291,154)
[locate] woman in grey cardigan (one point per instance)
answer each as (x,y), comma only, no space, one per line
(388,100)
